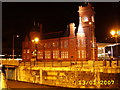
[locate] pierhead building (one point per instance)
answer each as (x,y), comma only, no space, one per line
(77,46)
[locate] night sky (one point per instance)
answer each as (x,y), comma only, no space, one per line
(18,18)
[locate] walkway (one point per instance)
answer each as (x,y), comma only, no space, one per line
(19,84)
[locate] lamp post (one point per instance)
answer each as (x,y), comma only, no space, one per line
(35,41)
(93,42)
(13,45)
(116,34)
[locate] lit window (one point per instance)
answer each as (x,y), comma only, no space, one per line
(28,51)
(54,44)
(40,55)
(55,53)
(64,54)
(47,54)
(79,43)
(79,55)
(83,54)
(45,45)
(92,18)
(83,42)
(24,51)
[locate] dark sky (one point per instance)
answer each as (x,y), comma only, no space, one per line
(18,18)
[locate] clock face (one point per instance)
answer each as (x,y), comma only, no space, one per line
(85,19)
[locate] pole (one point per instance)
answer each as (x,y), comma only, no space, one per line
(13,47)
(93,44)
(35,53)
(116,49)
(111,51)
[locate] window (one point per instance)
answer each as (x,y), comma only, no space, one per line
(83,54)
(49,45)
(28,51)
(45,45)
(53,44)
(55,53)
(83,42)
(66,44)
(79,43)
(79,55)
(92,18)
(40,55)
(64,54)
(47,54)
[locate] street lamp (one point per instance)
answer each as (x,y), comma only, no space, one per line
(116,34)
(13,44)
(93,42)
(35,41)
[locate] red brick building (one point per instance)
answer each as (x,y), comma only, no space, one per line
(74,46)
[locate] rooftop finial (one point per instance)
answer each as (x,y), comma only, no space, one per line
(34,23)
(86,3)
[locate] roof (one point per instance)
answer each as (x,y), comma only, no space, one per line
(107,44)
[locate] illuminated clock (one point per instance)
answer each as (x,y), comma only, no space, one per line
(85,19)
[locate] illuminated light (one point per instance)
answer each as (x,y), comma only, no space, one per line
(32,40)
(80,30)
(17,35)
(85,19)
(52,73)
(112,32)
(109,52)
(92,18)
(118,32)
(2,55)
(36,39)
(90,23)
(18,59)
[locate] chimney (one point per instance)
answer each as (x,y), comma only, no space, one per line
(72,29)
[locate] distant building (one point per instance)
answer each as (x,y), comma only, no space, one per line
(71,46)
(108,50)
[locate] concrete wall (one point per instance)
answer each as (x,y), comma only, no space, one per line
(74,77)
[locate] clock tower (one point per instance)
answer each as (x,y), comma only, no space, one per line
(86,30)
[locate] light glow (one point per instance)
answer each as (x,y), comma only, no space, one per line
(112,32)
(118,32)
(36,39)
(80,30)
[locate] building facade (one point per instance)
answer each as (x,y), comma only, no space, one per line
(76,46)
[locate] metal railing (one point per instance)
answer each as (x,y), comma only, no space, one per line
(89,63)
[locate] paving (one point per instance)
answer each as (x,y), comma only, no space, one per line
(19,84)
